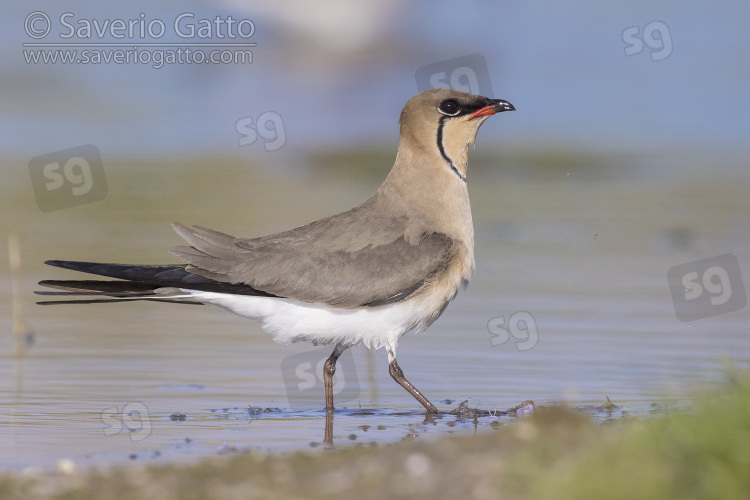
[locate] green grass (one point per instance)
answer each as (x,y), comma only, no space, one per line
(703,454)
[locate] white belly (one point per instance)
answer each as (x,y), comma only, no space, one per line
(290,320)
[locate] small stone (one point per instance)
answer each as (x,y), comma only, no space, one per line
(525,410)
(417,464)
(66,466)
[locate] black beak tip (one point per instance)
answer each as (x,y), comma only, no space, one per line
(503,106)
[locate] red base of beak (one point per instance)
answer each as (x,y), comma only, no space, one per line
(485,111)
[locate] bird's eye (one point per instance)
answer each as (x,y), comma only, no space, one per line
(449,107)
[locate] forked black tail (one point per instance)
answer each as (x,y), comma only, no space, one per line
(163,283)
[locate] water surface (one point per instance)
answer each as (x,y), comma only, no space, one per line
(584,258)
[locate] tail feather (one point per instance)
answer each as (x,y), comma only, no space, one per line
(157,283)
(149,274)
(102,301)
(111,287)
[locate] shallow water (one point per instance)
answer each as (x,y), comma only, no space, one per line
(578,265)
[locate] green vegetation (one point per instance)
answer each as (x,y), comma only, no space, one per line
(703,454)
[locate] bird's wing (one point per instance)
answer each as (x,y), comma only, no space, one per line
(315,264)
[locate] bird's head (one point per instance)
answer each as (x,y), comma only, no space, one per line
(444,122)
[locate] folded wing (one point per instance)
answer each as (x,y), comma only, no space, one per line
(314,264)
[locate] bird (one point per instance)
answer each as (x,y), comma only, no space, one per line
(365,276)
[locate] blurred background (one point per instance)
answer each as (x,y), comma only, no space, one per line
(602,205)
(339,73)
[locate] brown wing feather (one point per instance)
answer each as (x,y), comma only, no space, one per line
(324,261)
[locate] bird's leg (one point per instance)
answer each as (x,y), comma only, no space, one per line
(398,376)
(328,370)
(328,436)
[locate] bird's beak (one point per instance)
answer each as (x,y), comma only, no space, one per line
(495,106)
